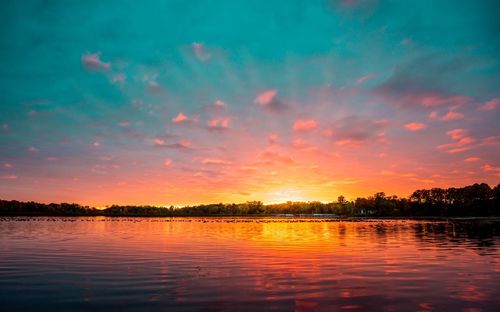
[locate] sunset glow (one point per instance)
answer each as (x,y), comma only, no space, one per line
(287,102)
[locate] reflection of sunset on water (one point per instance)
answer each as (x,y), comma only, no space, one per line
(292,264)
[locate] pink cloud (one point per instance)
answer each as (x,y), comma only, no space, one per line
(8,165)
(432,100)
(365,78)
(270,101)
(159,142)
(404,95)
(180,145)
(219,104)
(181,118)
(219,123)
(96,144)
(119,78)
(304,125)
(8,177)
(183,144)
(266,97)
(490,168)
(472,159)
(415,126)
(490,105)
(433,115)
(93,62)
(33,149)
(462,142)
(451,115)
(167,162)
(491,141)
(457,134)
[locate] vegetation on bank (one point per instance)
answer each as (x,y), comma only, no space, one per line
(472,200)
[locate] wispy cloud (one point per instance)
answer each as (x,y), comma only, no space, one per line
(451,115)
(490,105)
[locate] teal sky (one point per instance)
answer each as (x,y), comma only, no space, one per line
(195,101)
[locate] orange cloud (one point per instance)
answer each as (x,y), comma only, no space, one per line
(304,125)
(490,168)
(167,162)
(348,143)
(472,159)
(214,161)
(275,157)
(415,126)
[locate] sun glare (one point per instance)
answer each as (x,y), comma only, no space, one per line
(285,195)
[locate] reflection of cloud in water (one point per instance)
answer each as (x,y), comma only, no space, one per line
(257,264)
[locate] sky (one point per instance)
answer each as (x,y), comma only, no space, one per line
(188,102)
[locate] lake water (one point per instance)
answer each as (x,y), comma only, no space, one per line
(227,264)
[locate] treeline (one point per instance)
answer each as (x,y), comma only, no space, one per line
(472,200)
(14,207)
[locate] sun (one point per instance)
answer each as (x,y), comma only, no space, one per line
(284,195)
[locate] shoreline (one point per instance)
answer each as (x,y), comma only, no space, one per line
(269,217)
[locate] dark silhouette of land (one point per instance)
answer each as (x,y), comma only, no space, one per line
(477,200)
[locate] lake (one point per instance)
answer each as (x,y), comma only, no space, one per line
(244,264)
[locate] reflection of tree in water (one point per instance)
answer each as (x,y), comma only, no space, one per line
(481,235)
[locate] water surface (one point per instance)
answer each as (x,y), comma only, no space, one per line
(227,264)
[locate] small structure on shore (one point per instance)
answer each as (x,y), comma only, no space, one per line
(301,215)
